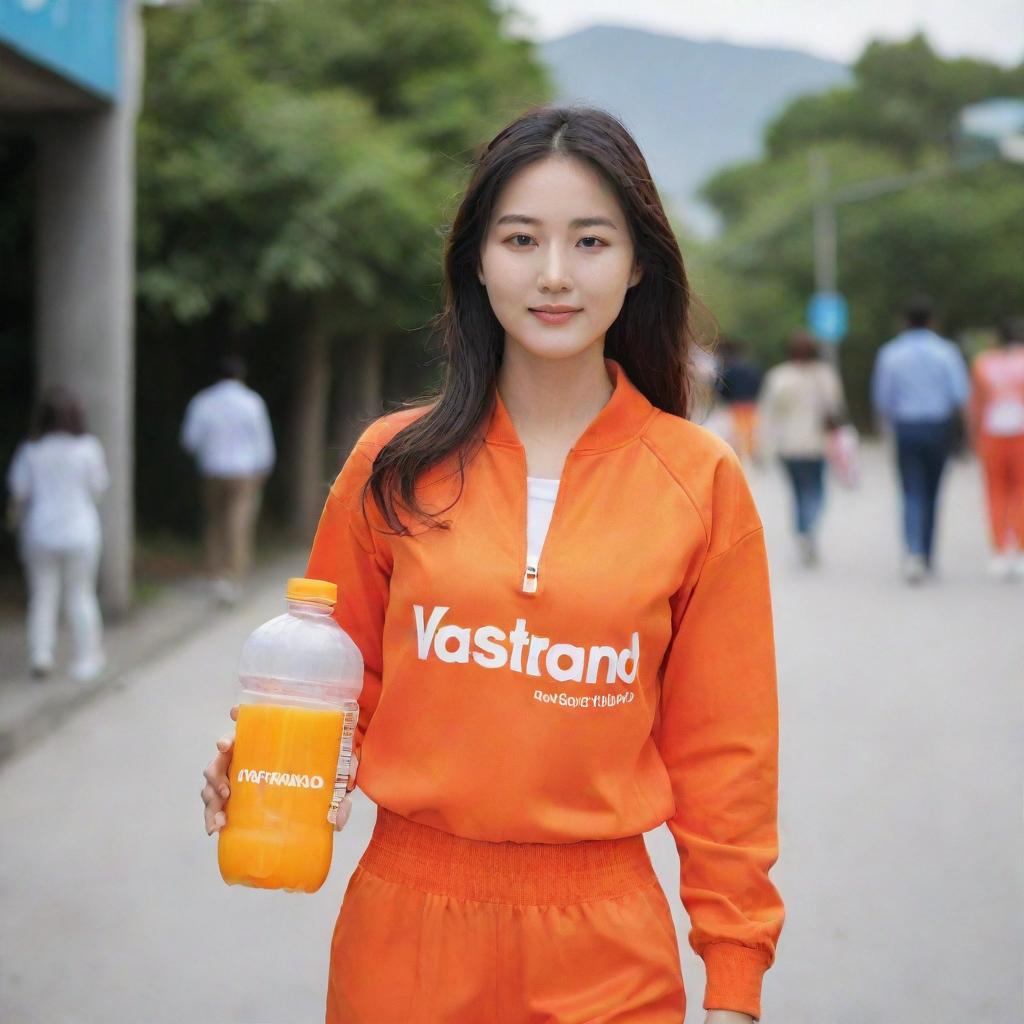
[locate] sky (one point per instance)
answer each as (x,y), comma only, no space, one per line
(990,29)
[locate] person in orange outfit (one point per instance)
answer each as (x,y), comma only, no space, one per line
(560,590)
(997,426)
(739,385)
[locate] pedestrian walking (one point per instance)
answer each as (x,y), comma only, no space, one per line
(545,570)
(919,387)
(227,430)
(997,427)
(739,385)
(801,403)
(54,481)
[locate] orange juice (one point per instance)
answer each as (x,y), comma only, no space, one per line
(282,779)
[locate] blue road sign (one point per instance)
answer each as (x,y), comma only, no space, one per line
(828,316)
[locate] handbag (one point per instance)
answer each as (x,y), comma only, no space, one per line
(842,449)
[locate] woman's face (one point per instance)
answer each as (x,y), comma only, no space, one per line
(557,258)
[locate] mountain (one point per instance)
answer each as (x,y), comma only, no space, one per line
(694,107)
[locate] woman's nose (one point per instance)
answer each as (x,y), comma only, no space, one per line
(554,273)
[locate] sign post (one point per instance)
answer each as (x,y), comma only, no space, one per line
(828,318)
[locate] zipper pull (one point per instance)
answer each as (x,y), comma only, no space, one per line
(530,579)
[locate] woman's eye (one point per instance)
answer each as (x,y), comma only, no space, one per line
(595,243)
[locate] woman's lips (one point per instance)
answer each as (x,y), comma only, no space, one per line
(549,317)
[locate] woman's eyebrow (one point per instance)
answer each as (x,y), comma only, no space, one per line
(579,222)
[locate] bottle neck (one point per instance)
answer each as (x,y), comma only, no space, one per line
(310,609)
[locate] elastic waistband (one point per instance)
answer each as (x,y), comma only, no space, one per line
(434,861)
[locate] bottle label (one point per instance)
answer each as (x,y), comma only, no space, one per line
(348,732)
(280,778)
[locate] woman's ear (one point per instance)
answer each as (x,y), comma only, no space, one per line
(638,273)
(480,275)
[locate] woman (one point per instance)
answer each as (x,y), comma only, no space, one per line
(801,403)
(54,482)
(997,425)
(559,587)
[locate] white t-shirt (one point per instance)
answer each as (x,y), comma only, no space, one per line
(57,479)
(1000,373)
(540,503)
(228,430)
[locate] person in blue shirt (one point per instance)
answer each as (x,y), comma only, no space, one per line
(920,386)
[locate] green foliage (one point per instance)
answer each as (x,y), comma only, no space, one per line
(954,232)
(904,97)
(311,146)
(298,158)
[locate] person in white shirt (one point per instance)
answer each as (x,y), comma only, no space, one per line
(801,401)
(227,430)
(54,481)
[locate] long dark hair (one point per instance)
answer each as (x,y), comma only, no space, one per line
(651,337)
(803,347)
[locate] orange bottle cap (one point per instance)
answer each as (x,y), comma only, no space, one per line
(318,591)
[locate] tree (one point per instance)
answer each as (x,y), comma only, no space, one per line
(956,236)
(295,163)
(904,97)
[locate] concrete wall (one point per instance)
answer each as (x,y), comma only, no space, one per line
(86,284)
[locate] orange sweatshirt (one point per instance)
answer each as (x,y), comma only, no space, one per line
(629,683)
(997,397)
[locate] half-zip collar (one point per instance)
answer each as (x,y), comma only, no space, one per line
(622,419)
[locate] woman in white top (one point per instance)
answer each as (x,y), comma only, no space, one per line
(801,401)
(54,480)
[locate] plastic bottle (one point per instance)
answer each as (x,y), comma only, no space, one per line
(301,675)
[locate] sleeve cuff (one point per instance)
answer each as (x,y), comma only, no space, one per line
(734,975)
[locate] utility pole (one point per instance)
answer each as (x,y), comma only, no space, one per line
(826,271)
(826,255)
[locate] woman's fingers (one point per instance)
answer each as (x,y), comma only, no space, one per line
(213,814)
(217,788)
(216,772)
(353,771)
(215,820)
(344,812)
(234,713)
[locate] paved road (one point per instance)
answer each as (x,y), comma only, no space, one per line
(900,813)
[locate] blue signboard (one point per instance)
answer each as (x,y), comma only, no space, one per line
(76,39)
(828,317)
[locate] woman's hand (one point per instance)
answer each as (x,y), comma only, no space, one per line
(727,1017)
(217,789)
(345,807)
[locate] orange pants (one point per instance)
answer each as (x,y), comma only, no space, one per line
(744,428)
(1003,461)
(435,929)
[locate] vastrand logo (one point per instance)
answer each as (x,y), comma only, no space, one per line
(491,647)
(281,779)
